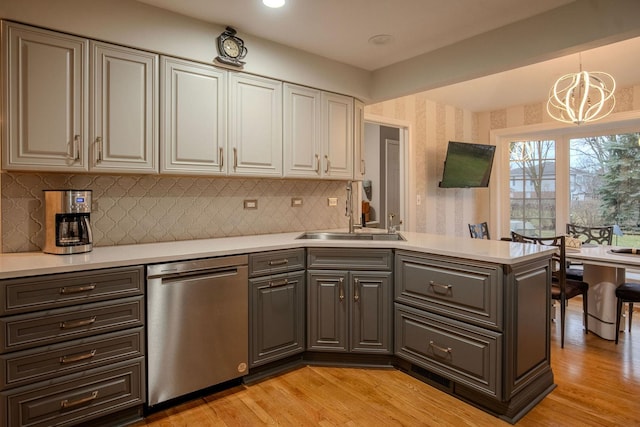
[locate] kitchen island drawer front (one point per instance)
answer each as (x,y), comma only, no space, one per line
(349,259)
(42,363)
(275,262)
(73,400)
(59,290)
(468,291)
(462,353)
(36,329)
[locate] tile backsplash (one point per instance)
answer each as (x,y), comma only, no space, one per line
(131,209)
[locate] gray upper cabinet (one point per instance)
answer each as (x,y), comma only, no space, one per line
(124,109)
(46,100)
(194,127)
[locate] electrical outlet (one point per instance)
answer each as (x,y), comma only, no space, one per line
(296,202)
(333,201)
(251,204)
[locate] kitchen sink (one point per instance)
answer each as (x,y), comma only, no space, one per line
(324,235)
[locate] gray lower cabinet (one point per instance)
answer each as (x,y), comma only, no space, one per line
(72,348)
(349,299)
(277,305)
(479,330)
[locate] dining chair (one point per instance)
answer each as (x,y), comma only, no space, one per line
(562,288)
(479,231)
(626,292)
(602,235)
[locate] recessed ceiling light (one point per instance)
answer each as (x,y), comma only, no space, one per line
(273,3)
(381,39)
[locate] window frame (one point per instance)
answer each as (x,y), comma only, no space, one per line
(561,133)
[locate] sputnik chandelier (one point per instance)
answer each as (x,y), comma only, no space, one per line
(582,97)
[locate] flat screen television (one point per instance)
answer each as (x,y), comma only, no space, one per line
(467,165)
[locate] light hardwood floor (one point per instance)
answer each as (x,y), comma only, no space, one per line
(598,384)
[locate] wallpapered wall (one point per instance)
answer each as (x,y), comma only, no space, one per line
(441,211)
(448,211)
(143,208)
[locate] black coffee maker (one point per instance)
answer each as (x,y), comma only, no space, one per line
(67,225)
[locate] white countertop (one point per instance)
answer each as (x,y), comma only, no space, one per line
(35,263)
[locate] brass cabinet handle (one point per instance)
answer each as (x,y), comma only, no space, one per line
(317,164)
(283,261)
(75,149)
(278,283)
(77,289)
(221,158)
(77,357)
(356,290)
(447,350)
(341,289)
(99,147)
(363,167)
(77,323)
(436,286)
(235,158)
(327,164)
(68,404)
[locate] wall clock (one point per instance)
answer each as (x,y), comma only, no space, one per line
(231,48)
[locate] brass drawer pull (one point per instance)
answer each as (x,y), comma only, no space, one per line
(279,262)
(77,357)
(356,290)
(77,323)
(67,404)
(447,350)
(76,289)
(279,283)
(445,288)
(341,289)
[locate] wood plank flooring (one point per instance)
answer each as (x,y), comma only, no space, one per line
(598,384)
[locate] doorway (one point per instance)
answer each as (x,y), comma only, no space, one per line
(382,191)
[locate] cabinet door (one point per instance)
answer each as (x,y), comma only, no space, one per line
(359,166)
(255,132)
(327,305)
(337,137)
(193,110)
(371,314)
(45,101)
(124,118)
(302,149)
(277,317)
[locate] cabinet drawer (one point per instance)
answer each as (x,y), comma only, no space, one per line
(349,259)
(462,353)
(58,290)
(40,363)
(275,262)
(35,329)
(468,291)
(76,400)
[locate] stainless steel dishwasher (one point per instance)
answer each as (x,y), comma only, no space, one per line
(197,325)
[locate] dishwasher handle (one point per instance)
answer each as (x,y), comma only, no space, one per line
(189,276)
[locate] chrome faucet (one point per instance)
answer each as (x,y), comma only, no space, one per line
(391,227)
(349,207)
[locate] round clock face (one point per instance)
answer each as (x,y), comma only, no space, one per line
(231,47)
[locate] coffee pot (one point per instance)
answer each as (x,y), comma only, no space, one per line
(67,221)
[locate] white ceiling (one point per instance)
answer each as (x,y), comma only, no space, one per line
(340,30)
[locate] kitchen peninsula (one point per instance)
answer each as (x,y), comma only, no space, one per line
(470,317)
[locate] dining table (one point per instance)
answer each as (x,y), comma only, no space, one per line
(605,267)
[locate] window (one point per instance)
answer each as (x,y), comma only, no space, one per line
(532,193)
(605,184)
